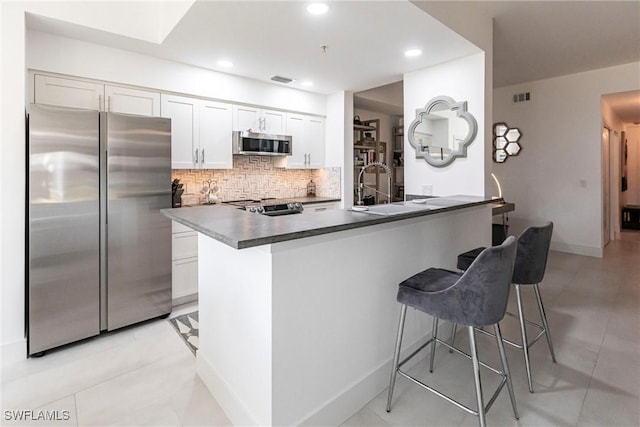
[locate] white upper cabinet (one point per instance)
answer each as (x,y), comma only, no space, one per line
(308,141)
(183,113)
(68,92)
(200,132)
(295,128)
(95,96)
(215,135)
(274,122)
(315,142)
(132,101)
(258,120)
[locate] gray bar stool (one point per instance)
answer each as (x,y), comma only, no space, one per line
(476,298)
(530,266)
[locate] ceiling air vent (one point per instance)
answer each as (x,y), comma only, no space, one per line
(522,97)
(280,79)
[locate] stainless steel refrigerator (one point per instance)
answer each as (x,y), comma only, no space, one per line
(99,250)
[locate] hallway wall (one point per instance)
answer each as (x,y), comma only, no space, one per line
(558,174)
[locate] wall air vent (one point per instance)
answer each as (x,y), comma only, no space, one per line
(280,79)
(522,97)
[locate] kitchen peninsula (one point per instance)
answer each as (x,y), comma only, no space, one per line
(298,312)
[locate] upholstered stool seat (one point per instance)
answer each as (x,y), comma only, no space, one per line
(478,297)
(465,259)
(529,269)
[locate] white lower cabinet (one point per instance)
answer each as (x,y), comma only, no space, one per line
(184,258)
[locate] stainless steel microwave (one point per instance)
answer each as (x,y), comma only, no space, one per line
(250,143)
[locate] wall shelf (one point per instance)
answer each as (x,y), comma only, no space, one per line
(398,164)
(367,148)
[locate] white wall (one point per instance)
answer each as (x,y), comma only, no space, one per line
(463,80)
(12,171)
(558,174)
(339,137)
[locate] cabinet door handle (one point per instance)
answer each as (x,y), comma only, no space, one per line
(202,159)
(196,154)
(309,162)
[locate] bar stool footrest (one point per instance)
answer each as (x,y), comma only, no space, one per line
(434,341)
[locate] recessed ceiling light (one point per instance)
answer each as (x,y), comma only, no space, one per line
(225,63)
(412,52)
(306,83)
(317,8)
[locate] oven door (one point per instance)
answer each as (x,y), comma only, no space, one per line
(250,143)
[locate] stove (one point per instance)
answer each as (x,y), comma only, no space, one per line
(268,206)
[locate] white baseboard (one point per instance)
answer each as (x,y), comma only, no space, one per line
(233,407)
(337,410)
(12,352)
(184,300)
(577,249)
(332,413)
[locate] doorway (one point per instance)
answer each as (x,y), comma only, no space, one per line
(606,186)
(620,169)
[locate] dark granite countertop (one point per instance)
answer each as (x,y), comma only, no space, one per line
(240,229)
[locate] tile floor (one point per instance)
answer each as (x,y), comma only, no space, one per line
(145,376)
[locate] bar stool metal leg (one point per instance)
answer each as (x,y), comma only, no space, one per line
(434,335)
(396,355)
(476,375)
(505,369)
(545,324)
(523,333)
(452,340)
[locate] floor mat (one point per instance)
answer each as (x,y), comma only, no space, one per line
(187,327)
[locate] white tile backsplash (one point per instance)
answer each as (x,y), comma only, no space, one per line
(257,177)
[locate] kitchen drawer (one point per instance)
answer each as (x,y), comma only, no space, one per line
(184,277)
(319,207)
(184,245)
(176,227)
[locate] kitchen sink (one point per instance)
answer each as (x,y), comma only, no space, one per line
(395,208)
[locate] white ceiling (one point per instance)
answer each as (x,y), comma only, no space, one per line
(535,40)
(366,39)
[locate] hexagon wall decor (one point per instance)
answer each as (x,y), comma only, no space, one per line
(505,142)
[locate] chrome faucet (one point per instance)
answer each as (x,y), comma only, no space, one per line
(361,185)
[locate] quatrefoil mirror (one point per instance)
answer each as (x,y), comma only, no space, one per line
(442,130)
